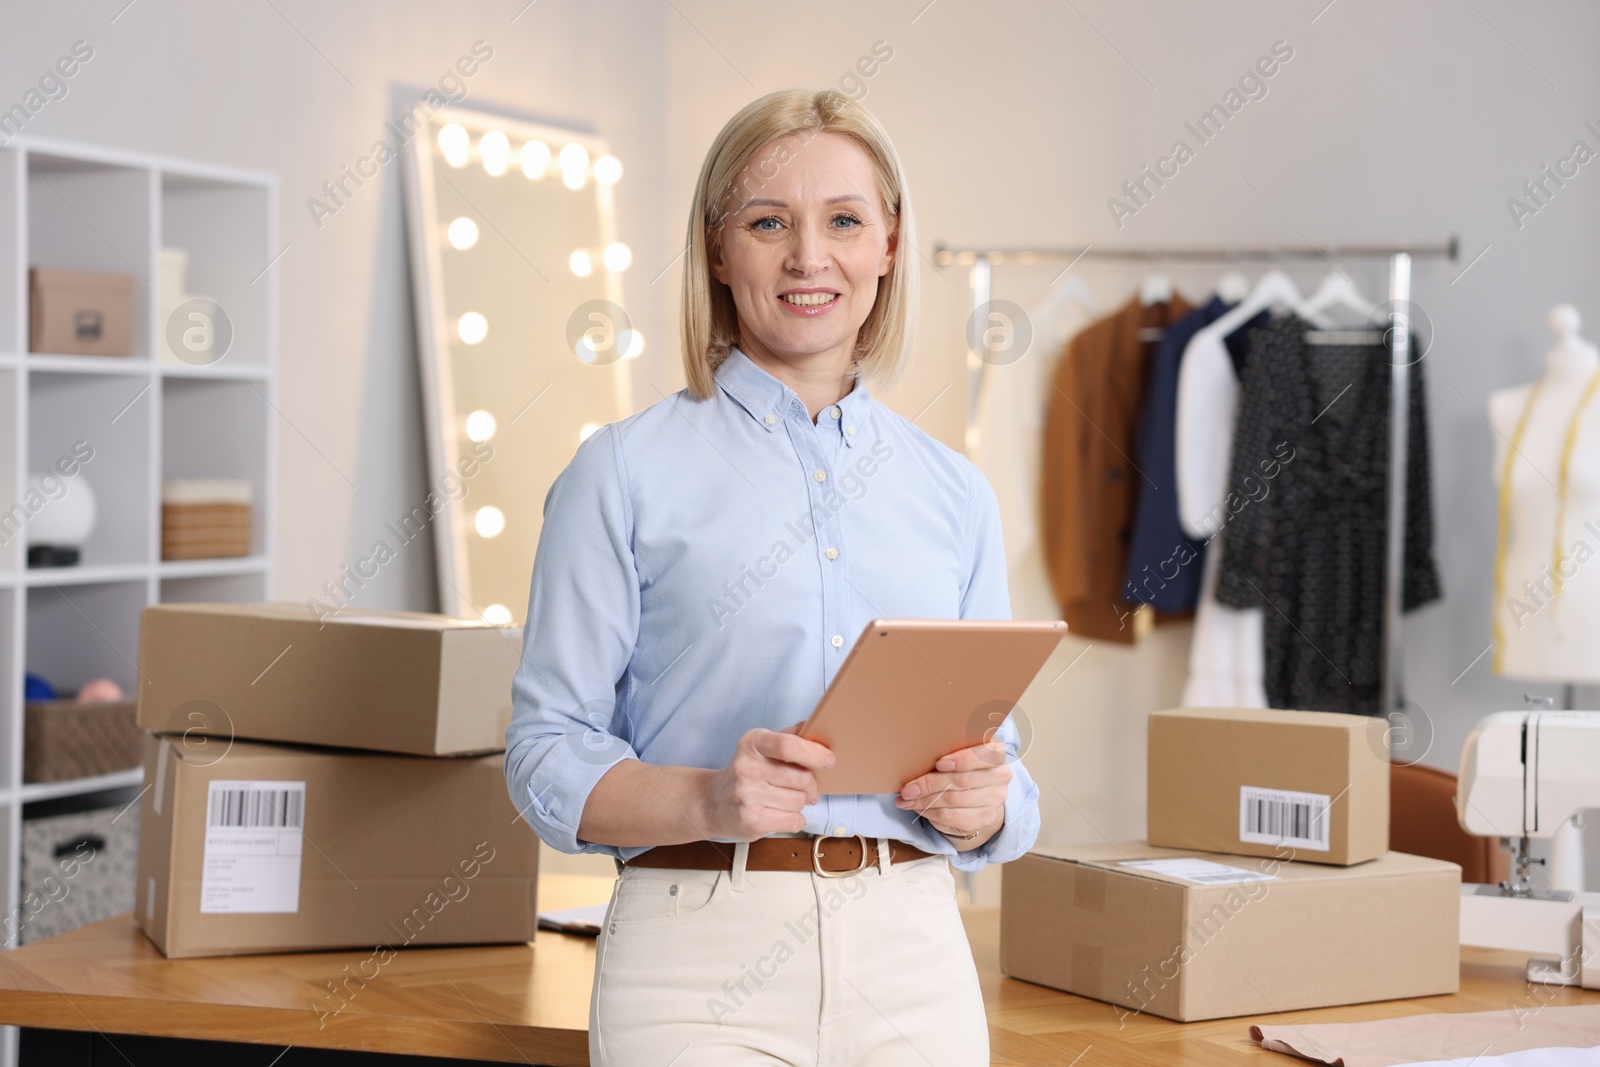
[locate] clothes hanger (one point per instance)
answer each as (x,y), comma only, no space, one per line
(1274,289)
(1156,288)
(1233,287)
(1337,290)
(1070,290)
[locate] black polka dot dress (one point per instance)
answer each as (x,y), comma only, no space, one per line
(1309,538)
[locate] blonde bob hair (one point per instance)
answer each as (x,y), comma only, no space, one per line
(733,174)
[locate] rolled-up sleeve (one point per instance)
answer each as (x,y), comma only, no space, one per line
(579,636)
(986,597)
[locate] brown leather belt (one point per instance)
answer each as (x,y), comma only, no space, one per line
(841,856)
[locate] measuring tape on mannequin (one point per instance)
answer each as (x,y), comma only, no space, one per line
(1568,446)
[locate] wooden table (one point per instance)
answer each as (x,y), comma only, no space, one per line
(530,1004)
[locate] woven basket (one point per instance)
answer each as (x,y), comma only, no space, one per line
(63,739)
(204,531)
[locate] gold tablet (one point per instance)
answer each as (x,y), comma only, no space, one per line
(913,690)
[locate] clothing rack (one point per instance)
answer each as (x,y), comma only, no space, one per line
(980,263)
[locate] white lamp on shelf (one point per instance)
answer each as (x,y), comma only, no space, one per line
(63,523)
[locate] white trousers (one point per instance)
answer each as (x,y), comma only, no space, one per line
(708,968)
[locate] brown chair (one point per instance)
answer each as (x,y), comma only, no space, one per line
(1422,821)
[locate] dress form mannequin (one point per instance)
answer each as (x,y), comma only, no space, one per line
(1547,606)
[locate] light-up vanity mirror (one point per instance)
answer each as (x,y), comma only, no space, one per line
(521,337)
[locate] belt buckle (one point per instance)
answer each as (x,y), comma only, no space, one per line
(816,856)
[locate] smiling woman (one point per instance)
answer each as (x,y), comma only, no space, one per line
(651,730)
(802,187)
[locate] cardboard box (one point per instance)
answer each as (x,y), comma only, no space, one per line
(395,681)
(1304,785)
(1170,941)
(80,312)
(250,848)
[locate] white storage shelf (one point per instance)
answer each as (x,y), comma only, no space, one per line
(147,417)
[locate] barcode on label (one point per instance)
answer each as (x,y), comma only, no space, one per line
(1283,817)
(251,860)
(256,805)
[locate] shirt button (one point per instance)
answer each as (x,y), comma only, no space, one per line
(833,412)
(850,429)
(838,831)
(836,641)
(833,553)
(770,419)
(820,476)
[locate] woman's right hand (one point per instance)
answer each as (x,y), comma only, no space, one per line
(764,786)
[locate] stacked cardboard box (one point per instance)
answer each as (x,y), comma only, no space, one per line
(1266,883)
(320,783)
(1311,786)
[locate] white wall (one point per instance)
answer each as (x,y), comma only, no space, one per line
(1016,123)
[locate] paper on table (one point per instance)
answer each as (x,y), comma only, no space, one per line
(585,920)
(1532,1057)
(1418,1039)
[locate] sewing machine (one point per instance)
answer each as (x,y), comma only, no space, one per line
(1524,775)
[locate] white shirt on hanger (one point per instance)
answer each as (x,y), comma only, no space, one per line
(1226,657)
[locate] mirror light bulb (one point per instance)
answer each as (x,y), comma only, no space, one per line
(587,430)
(607,169)
(454,142)
(480,425)
(497,615)
(472,327)
(574,157)
(489,521)
(462,234)
(617,257)
(495,149)
(631,344)
(535,158)
(580,263)
(574,165)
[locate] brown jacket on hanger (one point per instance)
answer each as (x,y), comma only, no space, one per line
(1090,481)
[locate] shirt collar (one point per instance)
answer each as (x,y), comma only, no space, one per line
(769,401)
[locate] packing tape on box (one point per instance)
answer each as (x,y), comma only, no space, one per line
(161,777)
(1089,890)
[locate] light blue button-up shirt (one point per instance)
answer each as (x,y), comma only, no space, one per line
(704,568)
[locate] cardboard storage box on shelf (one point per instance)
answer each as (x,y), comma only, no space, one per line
(1196,935)
(79,854)
(396,681)
(1255,782)
(80,312)
(248,848)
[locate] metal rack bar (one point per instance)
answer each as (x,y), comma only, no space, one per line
(1392,689)
(980,263)
(945,256)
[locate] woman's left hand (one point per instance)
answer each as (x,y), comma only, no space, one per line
(966,790)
